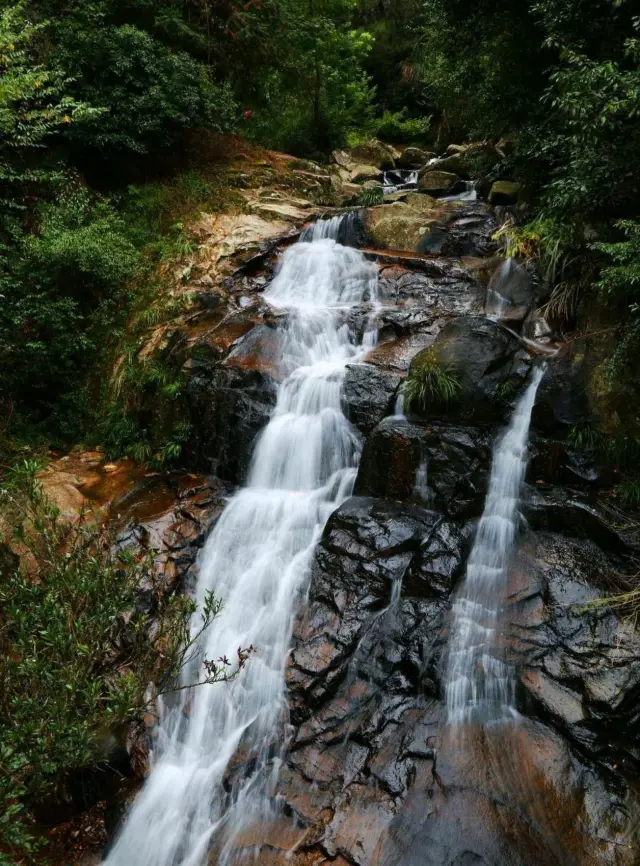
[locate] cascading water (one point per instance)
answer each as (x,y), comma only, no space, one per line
(398,180)
(256,561)
(479,686)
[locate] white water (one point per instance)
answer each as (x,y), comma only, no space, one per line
(257,560)
(479,687)
(469,194)
(397,180)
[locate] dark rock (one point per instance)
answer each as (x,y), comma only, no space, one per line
(455,461)
(414,157)
(511,293)
(560,513)
(582,670)
(562,400)
(504,192)
(368,394)
(232,405)
(485,359)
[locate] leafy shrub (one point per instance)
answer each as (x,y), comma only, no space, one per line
(430,383)
(397,128)
(77,649)
(371,197)
(64,297)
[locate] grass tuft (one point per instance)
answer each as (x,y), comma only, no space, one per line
(431,383)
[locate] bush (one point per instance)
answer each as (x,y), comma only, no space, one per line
(430,383)
(64,297)
(78,665)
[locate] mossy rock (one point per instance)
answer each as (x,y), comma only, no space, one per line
(437,183)
(483,357)
(373,152)
(504,192)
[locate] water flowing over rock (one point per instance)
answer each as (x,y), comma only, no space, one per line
(403,576)
(256,561)
(479,687)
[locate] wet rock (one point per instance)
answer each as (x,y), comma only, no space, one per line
(582,670)
(437,182)
(504,192)
(414,157)
(562,399)
(455,461)
(368,394)
(485,359)
(423,224)
(559,512)
(511,293)
(232,405)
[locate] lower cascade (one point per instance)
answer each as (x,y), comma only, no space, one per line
(479,686)
(256,561)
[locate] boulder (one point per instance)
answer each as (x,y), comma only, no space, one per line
(342,158)
(360,173)
(414,157)
(373,152)
(441,467)
(504,192)
(368,394)
(232,405)
(485,358)
(562,400)
(424,224)
(437,182)
(455,162)
(510,293)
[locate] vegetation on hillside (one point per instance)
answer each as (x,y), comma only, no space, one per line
(98,101)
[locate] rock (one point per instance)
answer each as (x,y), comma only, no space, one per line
(342,158)
(399,227)
(510,293)
(368,394)
(455,163)
(414,157)
(585,671)
(562,400)
(437,182)
(423,224)
(351,190)
(483,357)
(375,153)
(573,518)
(372,184)
(455,459)
(504,192)
(232,405)
(361,173)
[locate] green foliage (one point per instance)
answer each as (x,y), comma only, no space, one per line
(431,383)
(79,665)
(371,197)
(63,295)
(395,127)
(310,107)
(619,283)
(629,493)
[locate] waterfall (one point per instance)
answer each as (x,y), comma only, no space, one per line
(399,179)
(219,747)
(479,687)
